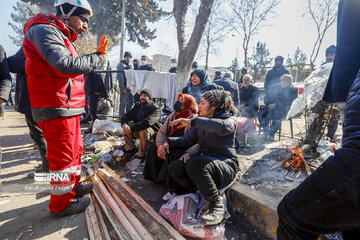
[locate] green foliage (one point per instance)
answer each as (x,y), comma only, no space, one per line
(107,18)
(22,12)
(297,65)
(259,61)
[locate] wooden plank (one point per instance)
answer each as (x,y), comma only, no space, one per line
(114,207)
(120,231)
(92,219)
(104,232)
(155,224)
(140,229)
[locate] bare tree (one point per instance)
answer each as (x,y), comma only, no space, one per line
(216,30)
(187,51)
(324,14)
(248,17)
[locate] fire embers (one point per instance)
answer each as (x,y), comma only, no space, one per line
(298,162)
(295,162)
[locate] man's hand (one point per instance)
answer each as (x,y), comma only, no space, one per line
(185,157)
(272,106)
(126,128)
(160,152)
(103,46)
(2,100)
(183,122)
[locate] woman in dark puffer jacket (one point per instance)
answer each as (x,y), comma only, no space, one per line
(215,164)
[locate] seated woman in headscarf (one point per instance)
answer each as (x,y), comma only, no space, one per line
(158,155)
(215,164)
(198,84)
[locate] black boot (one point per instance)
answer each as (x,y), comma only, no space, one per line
(84,189)
(78,205)
(216,213)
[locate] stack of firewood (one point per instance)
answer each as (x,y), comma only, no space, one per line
(115,207)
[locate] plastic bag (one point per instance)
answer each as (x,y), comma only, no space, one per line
(101,126)
(184,212)
(244,126)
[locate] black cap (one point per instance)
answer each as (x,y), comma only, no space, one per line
(244,70)
(279,59)
(330,50)
(195,65)
(217,73)
(127,54)
(147,92)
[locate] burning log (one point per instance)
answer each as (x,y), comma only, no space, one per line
(297,163)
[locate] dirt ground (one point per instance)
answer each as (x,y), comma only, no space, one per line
(24,214)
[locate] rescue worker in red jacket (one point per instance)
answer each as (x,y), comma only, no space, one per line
(56,88)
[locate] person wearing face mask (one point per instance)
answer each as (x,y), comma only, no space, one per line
(173,66)
(159,156)
(56,88)
(199,84)
(272,79)
(145,65)
(141,122)
(215,164)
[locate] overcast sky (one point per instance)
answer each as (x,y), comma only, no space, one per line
(287,31)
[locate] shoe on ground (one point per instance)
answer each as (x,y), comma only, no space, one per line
(215,215)
(83,189)
(168,196)
(77,206)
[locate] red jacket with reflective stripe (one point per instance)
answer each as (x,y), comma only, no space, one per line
(53,68)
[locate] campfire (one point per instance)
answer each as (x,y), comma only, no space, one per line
(295,161)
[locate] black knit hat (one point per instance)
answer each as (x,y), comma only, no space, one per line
(81,12)
(330,50)
(147,92)
(279,59)
(127,54)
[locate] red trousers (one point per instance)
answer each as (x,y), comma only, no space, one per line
(64,148)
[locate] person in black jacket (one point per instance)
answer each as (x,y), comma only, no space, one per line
(215,165)
(5,84)
(141,122)
(198,84)
(136,64)
(173,66)
(272,79)
(95,89)
(229,85)
(22,105)
(328,201)
(277,107)
(5,80)
(145,65)
(126,98)
(249,98)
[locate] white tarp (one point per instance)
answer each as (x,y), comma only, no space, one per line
(161,85)
(314,90)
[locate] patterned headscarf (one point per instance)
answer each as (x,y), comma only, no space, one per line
(189,108)
(220,99)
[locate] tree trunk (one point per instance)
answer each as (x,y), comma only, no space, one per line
(316,128)
(187,52)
